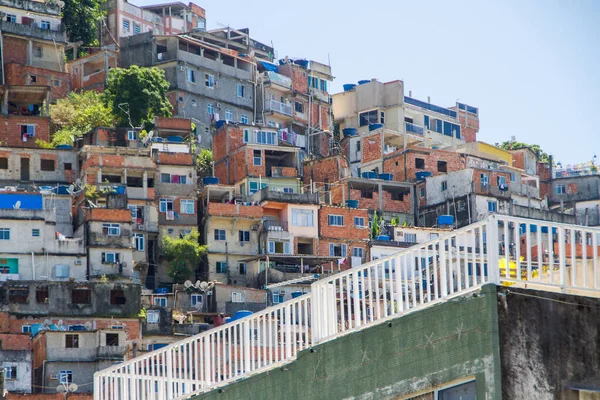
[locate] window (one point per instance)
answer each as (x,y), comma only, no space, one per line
(165,205)
(67,166)
(366,193)
(173,178)
(210,109)
(3,163)
(279,297)
(33,79)
(160,301)
(422,192)
(4,233)
(358,146)
(335,220)
(72,341)
(110,258)
(337,250)
(382,117)
(111,229)
(196,299)
(137,28)
(153,316)
(28,130)
(444,186)
(560,189)
(112,339)
(279,247)
(303,217)
(501,180)
(410,237)
(265,137)
(18,296)
(244,236)
(368,117)
(246,135)
(117,297)
(257,159)
(512,177)
(38,51)
(194,104)
(287,190)
(26,328)
(139,241)
(442,166)
(359,222)
(492,206)
(186,206)
(65,377)
(357,252)
(61,271)
(45,25)
(244,120)
(10,372)
(35,232)
(131,135)
(419,163)
(237,297)
(56,83)
(191,75)
(484,179)
(240,90)
(47,165)
(242,268)
(221,267)
(220,234)
(299,107)
(209,81)
(11,18)
(126,25)
(228,115)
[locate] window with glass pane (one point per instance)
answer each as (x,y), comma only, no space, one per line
(187,206)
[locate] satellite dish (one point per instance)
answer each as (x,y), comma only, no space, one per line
(203,285)
(148,137)
(61,389)
(60,322)
(73,387)
(17,205)
(88,326)
(197,284)
(78,182)
(71,189)
(47,322)
(188,284)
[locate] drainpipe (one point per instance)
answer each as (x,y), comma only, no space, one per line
(33,265)
(2,56)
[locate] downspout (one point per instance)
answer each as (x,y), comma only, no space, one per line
(2,55)
(33,265)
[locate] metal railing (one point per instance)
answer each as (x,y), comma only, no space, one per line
(499,250)
(276,106)
(414,128)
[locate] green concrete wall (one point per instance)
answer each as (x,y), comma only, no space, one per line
(449,341)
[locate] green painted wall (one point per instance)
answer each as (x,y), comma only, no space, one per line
(11,263)
(443,343)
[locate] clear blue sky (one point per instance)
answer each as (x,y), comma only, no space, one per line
(532,67)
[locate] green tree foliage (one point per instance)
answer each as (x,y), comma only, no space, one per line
(541,155)
(76,115)
(204,163)
(183,254)
(138,91)
(80,19)
(376,223)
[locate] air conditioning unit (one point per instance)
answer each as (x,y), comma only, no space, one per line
(218,105)
(54,377)
(77,262)
(181,68)
(209,293)
(254,227)
(142,227)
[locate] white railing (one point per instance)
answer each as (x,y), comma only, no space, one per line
(274,105)
(499,250)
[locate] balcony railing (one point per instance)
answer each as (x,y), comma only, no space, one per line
(280,80)
(414,128)
(278,107)
(275,226)
(32,31)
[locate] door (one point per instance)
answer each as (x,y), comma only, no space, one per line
(24,169)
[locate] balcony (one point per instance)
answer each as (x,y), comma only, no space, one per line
(278,107)
(234,210)
(140,194)
(320,95)
(33,31)
(281,82)
(275,226)
(285,197)
(284,172)
(414,128)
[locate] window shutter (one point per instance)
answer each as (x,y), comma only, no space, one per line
(117,257)
(344,249)
(331,249)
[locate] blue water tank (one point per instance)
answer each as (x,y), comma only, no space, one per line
(175,139)
(64,147)
(446,220)
(296,294)
(422,175)
(369,175)
(352,203)
(386,177)
(385,238)
(239,315)
(302,63)
(349,132)
(372,127)
(120,189)
(348,87)
(161,290)
(220,123)
(210,180)
(363,81)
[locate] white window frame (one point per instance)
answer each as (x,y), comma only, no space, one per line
(4,233)
(217,234)
(210,109)
(113,255)
(343,249)
(242,89)
(160,301)
(237,297)
(65,376)
(11,18)
(26,328)
(484,179)
(209,81)
(139,241)
(29,130)
(112,229)
(243,119)
(335,220)
(493,208)
(153,316)
(361,223)
(243,235)
(257,161)
(11,372)
(410,237)
(196,298)
(358,252)
(303,217)
(501,180)
(184,206)
(131,135)
(190,75)
(45,24)
(165,203)
(561,189)
(228,115)
(221,267)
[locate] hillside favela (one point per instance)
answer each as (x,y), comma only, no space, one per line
(190,211)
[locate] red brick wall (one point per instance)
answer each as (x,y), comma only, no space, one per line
(15,341)
(323,250)
(492,179)
(371,147)
(518,159)
(14,50)
(174,123)
(468,128)
(108,215)
(10,130)
(255,170)
(543,171)
(348,231)
(220,144)
(403,206)
(175,158)
(4,322)
(233,210)
(454,162)
(18,74)
(221,173)
(298,75)
(324,170)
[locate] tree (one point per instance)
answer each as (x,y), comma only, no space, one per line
(80,19)
(183,254)
(204,163)
(76,115)
(541,155)
(137,94)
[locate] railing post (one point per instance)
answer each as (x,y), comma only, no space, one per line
(561,256)
(443,271)
(493,249)
(314,312)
